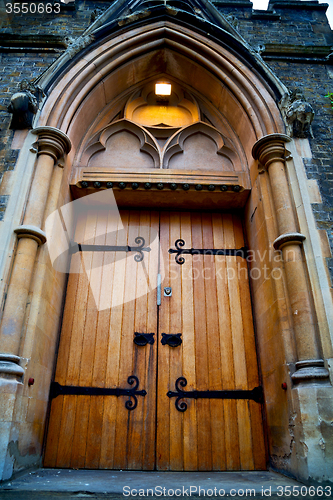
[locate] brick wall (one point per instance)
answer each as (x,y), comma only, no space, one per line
(14,67)
(28,33)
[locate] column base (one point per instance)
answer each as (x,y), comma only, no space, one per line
(10,368)
(310,371)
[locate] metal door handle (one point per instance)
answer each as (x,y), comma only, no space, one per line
(172,339)
(143,338)
(159,282)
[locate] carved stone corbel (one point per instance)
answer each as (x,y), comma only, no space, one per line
(24,105)
(297,114)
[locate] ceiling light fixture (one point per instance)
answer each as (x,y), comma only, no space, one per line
(163,88)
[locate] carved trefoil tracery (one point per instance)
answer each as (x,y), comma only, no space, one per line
(126,145)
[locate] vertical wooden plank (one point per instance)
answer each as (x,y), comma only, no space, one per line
(54,427)
(189,368)
(258,440)
(200,288)
(106,279)
(254,409)
(227,364)
(76,373)
(235,307)
(139,420)
(89,358)
(135,448)
(213,346)
(125,418)
(223,306)
(102,341)
(75,409)
(74,360)
(117,274)
(245,435)
(175,354)
(67,430)
(149,379)
(73,289)
(53,432)
(237,327)
(164,408)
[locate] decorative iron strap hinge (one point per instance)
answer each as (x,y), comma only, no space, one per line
(57,390)
(79,247)
(256,394)
(240,252)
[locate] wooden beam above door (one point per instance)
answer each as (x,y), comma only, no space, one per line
(165,188)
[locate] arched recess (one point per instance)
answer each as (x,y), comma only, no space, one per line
(237,107)
(89,94)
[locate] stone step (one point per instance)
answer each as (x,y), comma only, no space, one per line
(53,484)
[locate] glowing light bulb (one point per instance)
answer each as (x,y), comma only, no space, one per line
(162,88)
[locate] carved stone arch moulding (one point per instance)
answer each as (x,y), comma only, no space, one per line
(200,146)
(122,144)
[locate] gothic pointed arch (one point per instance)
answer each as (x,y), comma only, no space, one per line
(215,67)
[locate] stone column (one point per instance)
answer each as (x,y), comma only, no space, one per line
(52,145)
(270,151)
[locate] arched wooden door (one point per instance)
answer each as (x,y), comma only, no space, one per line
(209,306)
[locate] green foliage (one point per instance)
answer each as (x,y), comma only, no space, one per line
(330,96)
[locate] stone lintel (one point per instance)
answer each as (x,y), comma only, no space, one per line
(288,238)
(270,148)
(33,232)
(52,142)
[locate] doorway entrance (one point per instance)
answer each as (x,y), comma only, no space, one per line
(149,345)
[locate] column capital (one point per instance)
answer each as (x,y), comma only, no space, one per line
(288,239)
(52,141)
(270,148)
(32,232)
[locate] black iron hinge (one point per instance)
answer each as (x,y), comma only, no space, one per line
(255,394)
(81,247)
(179,250)
(62,390)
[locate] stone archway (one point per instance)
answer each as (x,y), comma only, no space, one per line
(242,102)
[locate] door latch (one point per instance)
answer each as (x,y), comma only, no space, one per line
(159,283)
(143,338)
(172,339)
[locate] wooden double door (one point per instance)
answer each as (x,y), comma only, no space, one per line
(209,305)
